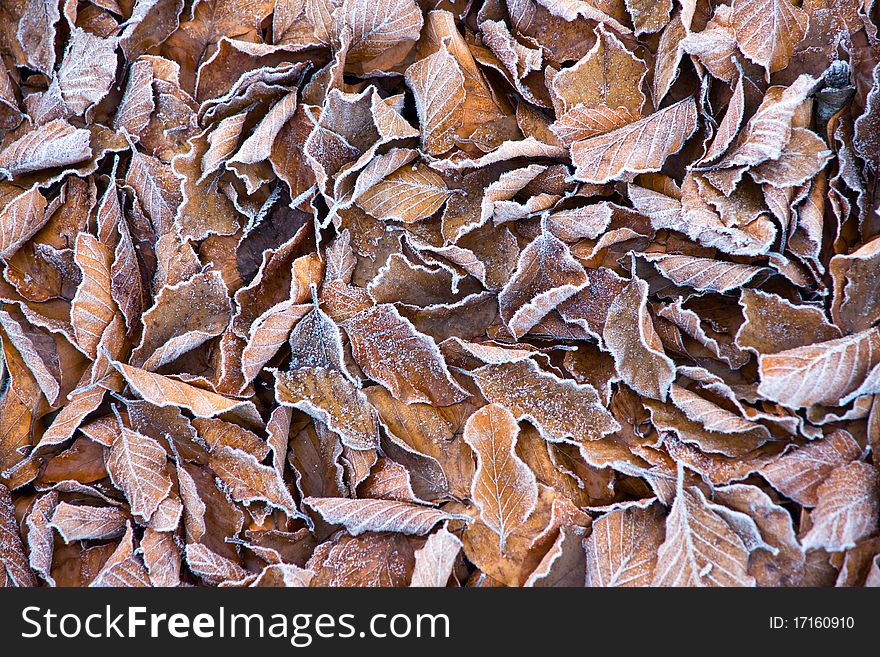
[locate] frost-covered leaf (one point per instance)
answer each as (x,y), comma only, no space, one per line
(504,488)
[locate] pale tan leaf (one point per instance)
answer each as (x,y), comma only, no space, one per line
(40,537)
(213,568)
(774,324)
(582,122)
(769,129)
(161,557)
(365,515)
(703,274)
(563,411)
(639,147)
(436,559)
(137,465)
(847,509)
(648,17)
(622,548)
(137,102)
(376,28)
(182,317)
(504,488)
(268,332)
(638,352)
(329,397)
(258,146)
(81,522)
(822,373)
(408,194)
(801,159)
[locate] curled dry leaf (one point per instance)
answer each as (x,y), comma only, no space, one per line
(504,488)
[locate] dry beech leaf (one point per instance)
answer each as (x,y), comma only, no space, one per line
(622,548)
(81,522)
(821,373)
(546,275)
(12,554)
(703,274)
(638,352)
(438,86)
(249,481)
(768,30)
(331,398)
(504,488)
(92,309)
(183,316)
(54,144)
(407,195)
(639,147)
(137,464)
(436,559)
(165,391)
(365,515)
(799,473)
(700,548)
(391,351)
(547,401)
(847,508)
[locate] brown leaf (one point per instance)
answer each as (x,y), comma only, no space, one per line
(329,397)
(249,481)
(409,194)
(182,317)
(767,31)
(81,522)
(635,148)
(12,554)
(638,352)
(609,76)
(622,548)
(847,508)
(22,215)
(55,144)
(821,373)
(435,559)
(504,488)
(137,465)
(165,391)
(365,515)
(87,71)
(546,275)
(700,548)
(391,351)
(798,473)
(547,401)
(438,86)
